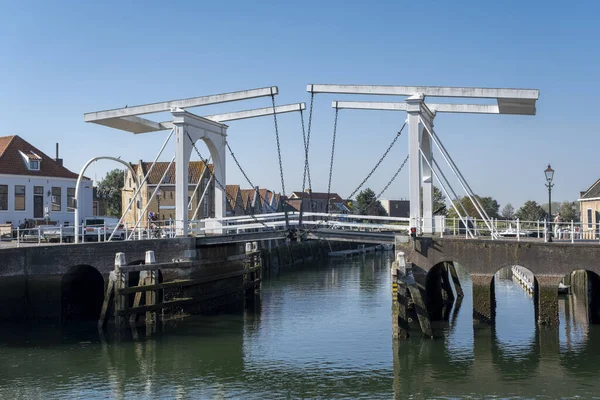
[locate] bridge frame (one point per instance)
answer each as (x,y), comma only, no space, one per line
(420,124)
(187,125)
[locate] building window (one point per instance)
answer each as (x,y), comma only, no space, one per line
(19,198)
(171,195)
(56,198)
(71,199)
(130,185)
(590,219)
(34,165)
(4,197)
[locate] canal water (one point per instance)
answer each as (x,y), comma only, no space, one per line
(318,332)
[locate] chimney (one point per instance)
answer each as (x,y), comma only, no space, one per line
(58,160)
(307,190)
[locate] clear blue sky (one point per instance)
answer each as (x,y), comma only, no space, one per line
(61,59)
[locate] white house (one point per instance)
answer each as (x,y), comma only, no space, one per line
(34,186)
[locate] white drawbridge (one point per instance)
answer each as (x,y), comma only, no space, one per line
(423,139)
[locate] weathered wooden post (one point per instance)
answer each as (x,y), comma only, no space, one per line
(151,279)
(120,284)
(400,328)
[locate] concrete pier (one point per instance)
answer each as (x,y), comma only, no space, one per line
(484,299)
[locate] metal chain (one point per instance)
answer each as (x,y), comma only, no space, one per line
(278,146)
(262,199)
(378,162)
(393,177)
(386,186)
(220,184)
(307,143)
(337,110)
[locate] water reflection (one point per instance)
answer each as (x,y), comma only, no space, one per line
(318,332)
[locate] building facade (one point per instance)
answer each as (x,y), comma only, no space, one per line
(201,191)
(319,202)
(589,207)
(397,208)
(36,187)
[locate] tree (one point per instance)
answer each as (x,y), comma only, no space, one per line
(109,189)
(439,202)
(568,211)
(531,211)
(367,203)
(508,211)
(490,206)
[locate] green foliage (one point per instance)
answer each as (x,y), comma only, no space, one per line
(490,206)
(531,211)
(568,211)
(508,211)
(439,202)
(109,189)
(367,203)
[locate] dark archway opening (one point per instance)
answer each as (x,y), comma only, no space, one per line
(82,294)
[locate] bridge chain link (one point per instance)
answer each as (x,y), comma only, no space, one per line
(220,184)
(378,163)
(337,110)
(306,138)
(278,145)
(262,199)
(388,184)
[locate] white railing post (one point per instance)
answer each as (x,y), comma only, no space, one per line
(545,232)
(104,230)
(98,235)
(518,229)
(538,229)
(572,232)
(18,237)
(61,233)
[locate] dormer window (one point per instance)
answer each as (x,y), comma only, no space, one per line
(32,160)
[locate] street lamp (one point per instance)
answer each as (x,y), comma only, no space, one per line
(549,172)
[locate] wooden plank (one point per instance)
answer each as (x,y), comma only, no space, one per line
(107,296)
(183,282)
(158,306)
(150,267)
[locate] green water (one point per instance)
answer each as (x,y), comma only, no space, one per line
(320,332)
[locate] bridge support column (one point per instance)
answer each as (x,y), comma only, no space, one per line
(546,299)
(420,184)
(484,299)
(189,129)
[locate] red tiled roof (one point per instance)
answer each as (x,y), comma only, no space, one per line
(194,171)
(12,163)
(247,197)
(316,196)
(232,192)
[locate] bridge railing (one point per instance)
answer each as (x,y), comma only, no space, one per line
(564,231)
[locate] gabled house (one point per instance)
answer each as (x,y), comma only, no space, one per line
(251,201)
(589,207)
(163,203)
(235,204)
(317,202)
(37,187)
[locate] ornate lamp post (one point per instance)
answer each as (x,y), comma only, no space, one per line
(549,177)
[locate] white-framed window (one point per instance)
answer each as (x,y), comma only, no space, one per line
(590,218)
(19,197)
(56,198)
(3,197)
(34,165)
(71,199)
